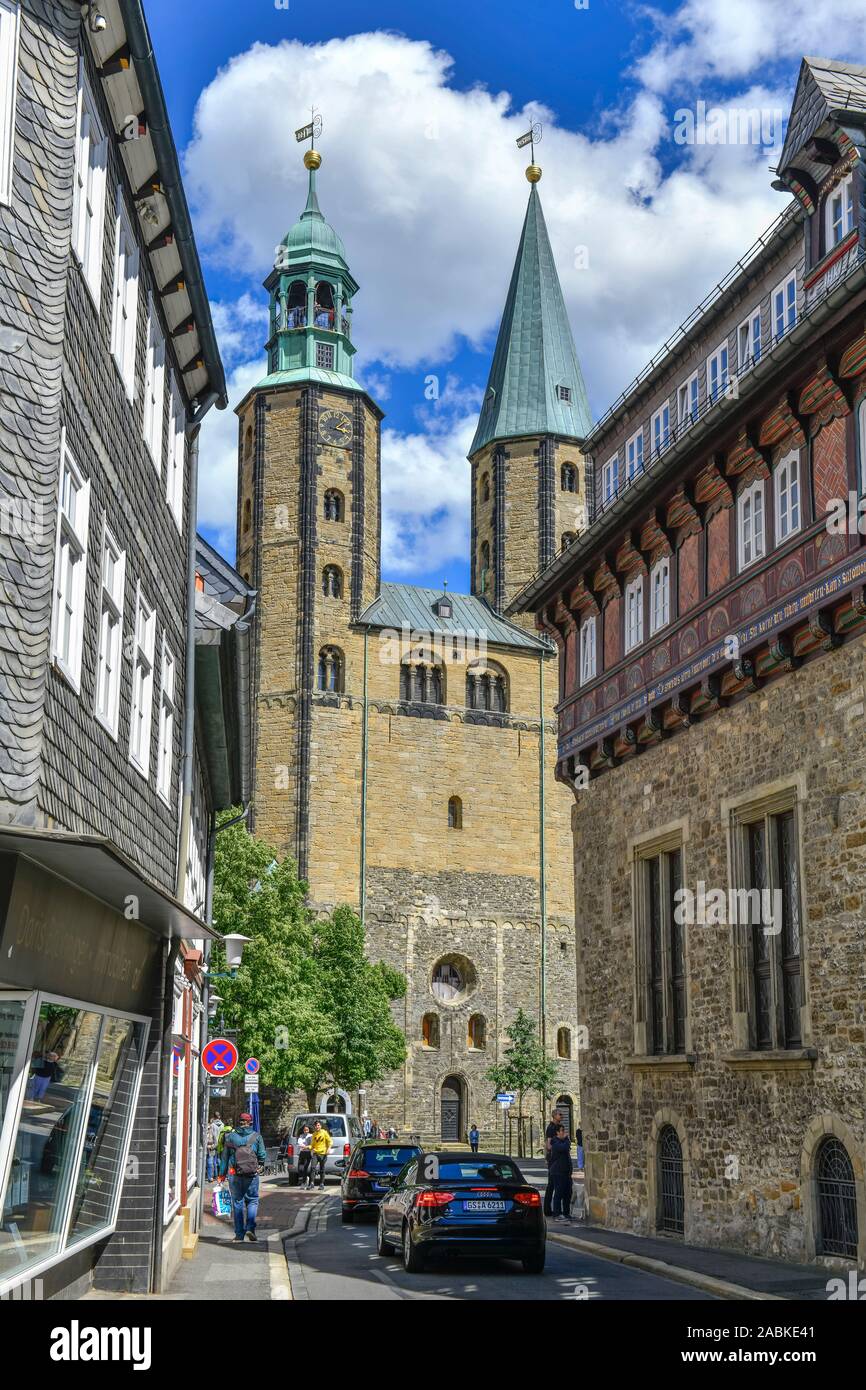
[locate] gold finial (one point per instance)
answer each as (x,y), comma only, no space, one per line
(533,173)
(312,159)
(531,138)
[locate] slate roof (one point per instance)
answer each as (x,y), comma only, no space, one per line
(823,87)
(397,604)
(535,350)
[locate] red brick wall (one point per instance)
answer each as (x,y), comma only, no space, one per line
(689,582)
(829,463)
(719,550)
(612,645)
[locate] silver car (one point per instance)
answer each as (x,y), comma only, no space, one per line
(345,1131)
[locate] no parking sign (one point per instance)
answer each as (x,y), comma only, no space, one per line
(219,1057)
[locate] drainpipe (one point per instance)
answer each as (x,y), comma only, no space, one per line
(364,735)
(169,956)
(542,875)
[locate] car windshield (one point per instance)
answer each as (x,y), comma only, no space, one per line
(384,1160)
(335,1124)
(490,1170)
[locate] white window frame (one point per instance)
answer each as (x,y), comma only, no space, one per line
(660,430)
(124,310)
(787,498)
(610,479)
(143,651)
(174,473)
(687,402)
(784,319)
(91,176)
(109,638)
(587,650)
(70,585)
(660,594)
(326,349)
(154,385)
(749,342)
(751,541)
(10,23)
(634,455)
(718,373)
(167,717)
(844,192)
(634,613)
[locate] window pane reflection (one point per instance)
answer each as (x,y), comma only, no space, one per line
(99,1173)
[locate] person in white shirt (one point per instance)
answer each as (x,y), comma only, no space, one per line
(305,1153)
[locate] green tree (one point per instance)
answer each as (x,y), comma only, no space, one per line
(524,1067)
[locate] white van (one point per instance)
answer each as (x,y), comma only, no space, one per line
(345,1131)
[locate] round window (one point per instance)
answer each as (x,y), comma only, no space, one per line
(453,979)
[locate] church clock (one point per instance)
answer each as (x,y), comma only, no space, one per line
(335,427)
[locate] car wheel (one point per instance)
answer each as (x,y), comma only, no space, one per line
(413,1260)
(382,1244)
(348,1216)
(534,1264)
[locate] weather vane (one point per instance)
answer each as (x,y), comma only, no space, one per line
(532,138)
(311,132)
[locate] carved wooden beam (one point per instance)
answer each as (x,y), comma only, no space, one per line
(682,514)
(823,395)
(712,489)
(782,422)
(853,360)
(746,453)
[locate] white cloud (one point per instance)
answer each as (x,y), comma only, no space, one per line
(218,458)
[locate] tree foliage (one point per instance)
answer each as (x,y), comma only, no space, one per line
(524,1066)
(306,1000)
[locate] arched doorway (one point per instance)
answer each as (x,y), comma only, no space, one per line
(671,1187)
(563,1104)
(335,1104)
(451,1109)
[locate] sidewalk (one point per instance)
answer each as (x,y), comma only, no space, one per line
(722,1272)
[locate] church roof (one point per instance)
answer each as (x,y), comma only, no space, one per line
(535,352)
(312,240)
(399,604)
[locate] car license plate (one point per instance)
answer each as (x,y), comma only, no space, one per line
(486,1205)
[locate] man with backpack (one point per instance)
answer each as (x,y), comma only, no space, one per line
(244,1150)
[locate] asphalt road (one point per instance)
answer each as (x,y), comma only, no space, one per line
(336,1262)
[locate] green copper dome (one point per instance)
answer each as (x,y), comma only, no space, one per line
(313,238)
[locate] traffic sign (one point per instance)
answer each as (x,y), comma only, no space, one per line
(251,1065)
(251,1084)
(219,1057)
(218,1091)
(505,1097)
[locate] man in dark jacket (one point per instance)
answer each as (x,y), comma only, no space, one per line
(549,1136)
(560,1174)
(243,1150)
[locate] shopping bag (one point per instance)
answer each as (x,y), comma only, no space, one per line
(221,1202)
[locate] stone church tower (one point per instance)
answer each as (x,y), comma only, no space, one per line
(405,738)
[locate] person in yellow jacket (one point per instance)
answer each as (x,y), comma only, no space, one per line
(321,1147)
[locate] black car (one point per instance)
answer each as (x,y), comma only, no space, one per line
(370,1162)
(462,1204)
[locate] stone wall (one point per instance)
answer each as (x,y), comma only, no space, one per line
(749,1131)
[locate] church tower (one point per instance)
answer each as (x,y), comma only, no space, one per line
(528,488)
(308,536)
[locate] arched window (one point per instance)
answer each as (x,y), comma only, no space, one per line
(837,1201)
(248,514)
(487,687)
(330,669)
(248,442)
(324,315)
(333,505)
(485,487)
(332,581)
(476,1033)
(422,681)
(296,305)
(671,1205)
(563,1042)
(567,538)
(455,813)
(430,1030)
(485,555)
(568,477)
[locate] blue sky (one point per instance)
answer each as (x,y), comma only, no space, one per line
(421,176)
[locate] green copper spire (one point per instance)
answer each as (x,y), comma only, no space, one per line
(311,290)
(535,385)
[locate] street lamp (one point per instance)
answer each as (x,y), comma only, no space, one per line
(233,945)
(213,1000)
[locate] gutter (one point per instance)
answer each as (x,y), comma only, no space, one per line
(147,76)
(545,584)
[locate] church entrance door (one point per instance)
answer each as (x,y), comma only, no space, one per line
(452,1109)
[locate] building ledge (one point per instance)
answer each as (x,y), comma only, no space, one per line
(663,1063)
(777,1059)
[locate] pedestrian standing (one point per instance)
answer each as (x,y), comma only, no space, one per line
(474,1138)
(579,1144)
(321,1146)
(244,1150)
(368,1126)
(305,1154)
(549,1136)
(560,1168)
(214,1130)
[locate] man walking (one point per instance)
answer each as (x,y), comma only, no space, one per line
(549,1136)
(321,1146)
(214,1130)
(244,1150)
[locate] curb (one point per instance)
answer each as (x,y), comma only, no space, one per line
(294,1270)
(707,1283)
